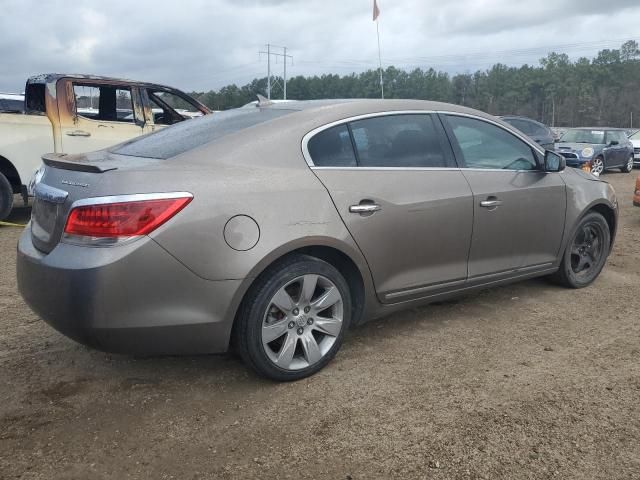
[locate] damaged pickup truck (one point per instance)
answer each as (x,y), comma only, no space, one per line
(80,113)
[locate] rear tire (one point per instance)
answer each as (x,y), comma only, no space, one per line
(585,254)
(628,166)
(6,197)
(284,333)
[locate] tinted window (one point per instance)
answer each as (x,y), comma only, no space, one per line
(398,141)
(484,145)
(185,136)
(332,148)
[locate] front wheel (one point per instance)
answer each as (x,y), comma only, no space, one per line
(294,318)
(628,167)
(586,253)
(597,166)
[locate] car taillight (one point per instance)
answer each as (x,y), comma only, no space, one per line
(100,221)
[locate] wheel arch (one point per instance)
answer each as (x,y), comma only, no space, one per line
(608,212)
(9,170)
(345,258)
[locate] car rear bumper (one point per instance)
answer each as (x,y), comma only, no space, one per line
(135,298)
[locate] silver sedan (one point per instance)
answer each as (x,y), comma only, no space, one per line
(275,228)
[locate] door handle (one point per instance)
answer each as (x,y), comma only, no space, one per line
(364,208)
(79,133)
(490,203)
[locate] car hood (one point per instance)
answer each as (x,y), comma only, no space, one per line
(575,146)
(636,143)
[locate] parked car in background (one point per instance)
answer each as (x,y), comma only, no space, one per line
(635,141)
(597,149)
(275,228)
(11,102)
(80,113)
(537,131)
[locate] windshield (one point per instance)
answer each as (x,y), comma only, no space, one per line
(583,136)
(185,136)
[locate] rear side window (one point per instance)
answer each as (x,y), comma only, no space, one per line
(104,103)
(185,136)
(398,141)
(332,148)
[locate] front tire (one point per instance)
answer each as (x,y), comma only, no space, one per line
(628,166)
(586,253)
(6,197)
(597,166)
(293,320)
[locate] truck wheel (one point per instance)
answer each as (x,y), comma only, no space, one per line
(6,197)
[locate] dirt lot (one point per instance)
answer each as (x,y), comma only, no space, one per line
(525,381)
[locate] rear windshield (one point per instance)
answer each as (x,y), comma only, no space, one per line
(187,135)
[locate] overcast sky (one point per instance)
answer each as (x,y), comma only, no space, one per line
(205,44)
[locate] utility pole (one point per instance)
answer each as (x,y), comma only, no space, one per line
(285,57)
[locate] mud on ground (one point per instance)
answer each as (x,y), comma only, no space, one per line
(525,381)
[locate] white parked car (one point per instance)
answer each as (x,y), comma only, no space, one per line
(635,139)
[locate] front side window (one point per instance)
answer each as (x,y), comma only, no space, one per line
(484,145)
(398,141)
(332,148)
(104,103)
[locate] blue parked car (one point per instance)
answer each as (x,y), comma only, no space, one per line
(596,149)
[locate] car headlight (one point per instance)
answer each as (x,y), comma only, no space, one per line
(587,152)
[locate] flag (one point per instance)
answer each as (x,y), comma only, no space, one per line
(376,10)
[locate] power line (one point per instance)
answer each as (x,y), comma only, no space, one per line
(285,57)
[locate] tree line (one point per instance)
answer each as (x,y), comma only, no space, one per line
(604,90)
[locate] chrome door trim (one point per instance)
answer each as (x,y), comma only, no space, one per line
(315,131)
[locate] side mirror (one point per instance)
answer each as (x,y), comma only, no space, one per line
(613,143)
(554,162)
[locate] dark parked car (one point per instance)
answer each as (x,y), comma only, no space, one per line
(597,149)
(277,227)
(537,131)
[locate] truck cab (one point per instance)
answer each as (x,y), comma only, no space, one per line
(66,113)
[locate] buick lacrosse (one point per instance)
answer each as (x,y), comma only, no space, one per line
(274,228)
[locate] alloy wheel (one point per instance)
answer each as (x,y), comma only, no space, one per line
(587,249)
(630,164)
(597,166)
(302,322)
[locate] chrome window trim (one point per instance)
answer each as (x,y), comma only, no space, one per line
(134,197)
(315,131)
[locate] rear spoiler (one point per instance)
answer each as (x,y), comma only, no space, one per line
(57,160)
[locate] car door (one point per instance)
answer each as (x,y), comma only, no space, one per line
(519,210)
(101,115)
(397,188)
(613,152)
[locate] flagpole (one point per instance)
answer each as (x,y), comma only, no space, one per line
(380,61)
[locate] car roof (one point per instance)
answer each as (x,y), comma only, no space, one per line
(45,78)
(336,109)
(600,128)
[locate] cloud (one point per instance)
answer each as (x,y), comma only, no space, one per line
(199,44)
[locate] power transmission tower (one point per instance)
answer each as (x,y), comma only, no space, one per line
(285,57)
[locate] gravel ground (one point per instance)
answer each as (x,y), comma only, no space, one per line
(525,381)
